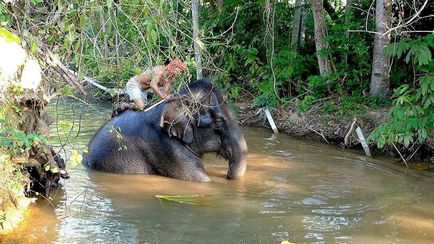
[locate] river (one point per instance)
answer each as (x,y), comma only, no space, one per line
(301,191)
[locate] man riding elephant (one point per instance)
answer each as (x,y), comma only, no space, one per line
(153,78)
(171,138)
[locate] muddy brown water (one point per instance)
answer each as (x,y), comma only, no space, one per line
(295,190)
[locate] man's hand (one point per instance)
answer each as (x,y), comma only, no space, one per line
(124,106)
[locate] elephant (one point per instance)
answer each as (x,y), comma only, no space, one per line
(171,138)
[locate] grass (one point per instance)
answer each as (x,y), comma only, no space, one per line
(184,199)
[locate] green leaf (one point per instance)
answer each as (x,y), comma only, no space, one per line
(34,47)
(407,139)
(83,19)
(423,135)
(9,36)
(20,135)
(109,3)
(185,199)
(407,58)
(428,101)
(75,158)
(6,142)
(381,141)
(424,55)
(65,125)
(424,86)
(54,169)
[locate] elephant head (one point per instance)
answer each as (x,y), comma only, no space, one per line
(200,117)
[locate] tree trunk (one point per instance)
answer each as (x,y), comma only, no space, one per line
(380,63)
(347,21)
(303,27)
(196,40)
(320,33)
(219,5)
(212,5)
(115,26)
(296,23)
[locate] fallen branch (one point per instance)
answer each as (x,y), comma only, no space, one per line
(409,157)
(320,135)
(96,84)
(403,159)
(245,119)
(61,69)
(350,131)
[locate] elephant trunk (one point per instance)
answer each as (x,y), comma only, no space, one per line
(236,152)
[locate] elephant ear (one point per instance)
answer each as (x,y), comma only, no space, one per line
(177,122)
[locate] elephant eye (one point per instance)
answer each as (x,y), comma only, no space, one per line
(217,124)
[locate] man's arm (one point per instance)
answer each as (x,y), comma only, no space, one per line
(166,88)
(154,85)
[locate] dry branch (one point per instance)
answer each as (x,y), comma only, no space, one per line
(350,131)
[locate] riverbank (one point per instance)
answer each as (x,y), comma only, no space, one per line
(337,129)
(13,206)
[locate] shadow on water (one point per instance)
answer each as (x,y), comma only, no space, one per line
(293,190)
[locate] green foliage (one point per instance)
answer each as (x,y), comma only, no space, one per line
(305,104)
(351,56)
(418,49)
(411,117)
(5,17)
(317,85)
(13,140)
(328,107)
(267,96)
(269,74)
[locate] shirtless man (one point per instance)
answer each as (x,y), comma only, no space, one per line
(152,78)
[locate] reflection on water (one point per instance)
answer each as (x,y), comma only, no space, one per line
(293,190)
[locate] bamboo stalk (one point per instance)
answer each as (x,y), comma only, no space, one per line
(271,121)
(154,105)
(363,141)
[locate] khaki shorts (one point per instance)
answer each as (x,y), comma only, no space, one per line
(135,91)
